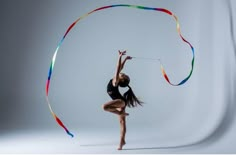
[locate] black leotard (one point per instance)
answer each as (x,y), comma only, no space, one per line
(113,91)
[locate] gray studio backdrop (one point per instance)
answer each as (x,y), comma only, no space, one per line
(30,31)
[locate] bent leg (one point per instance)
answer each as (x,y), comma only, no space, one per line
(115,106)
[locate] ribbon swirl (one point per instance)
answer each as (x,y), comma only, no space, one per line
(163,10)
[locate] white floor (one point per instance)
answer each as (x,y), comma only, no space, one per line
(84,142)
(88,141)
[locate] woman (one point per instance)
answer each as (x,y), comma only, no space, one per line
(119,102)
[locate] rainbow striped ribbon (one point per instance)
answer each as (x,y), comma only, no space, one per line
(102,8)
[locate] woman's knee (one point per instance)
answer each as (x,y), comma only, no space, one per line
(104,107)
(122,120)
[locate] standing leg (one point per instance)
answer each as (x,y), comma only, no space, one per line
(122,131)
(118,107)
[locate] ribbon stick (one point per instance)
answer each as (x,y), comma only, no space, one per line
(162,10)
(145,58)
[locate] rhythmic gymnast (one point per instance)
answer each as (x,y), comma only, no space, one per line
(119,102)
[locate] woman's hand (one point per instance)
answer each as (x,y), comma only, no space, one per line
(128,58)
(122,53)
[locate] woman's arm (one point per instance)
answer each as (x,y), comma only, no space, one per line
(123,63)
(118,68)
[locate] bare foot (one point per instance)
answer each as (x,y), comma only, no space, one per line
(124,114)
(121,145)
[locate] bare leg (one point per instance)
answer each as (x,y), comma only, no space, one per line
(118,107)
(115,106)
(122,132)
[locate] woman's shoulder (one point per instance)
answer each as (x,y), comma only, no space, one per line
(114,82)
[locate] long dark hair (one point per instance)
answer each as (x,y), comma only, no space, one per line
(130,98)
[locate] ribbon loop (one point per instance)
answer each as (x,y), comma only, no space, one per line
(163,10)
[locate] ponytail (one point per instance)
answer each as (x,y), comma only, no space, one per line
(131,99)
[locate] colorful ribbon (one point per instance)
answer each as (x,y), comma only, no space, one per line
(102,8)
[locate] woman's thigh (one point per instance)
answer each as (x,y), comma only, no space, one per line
(118,103)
